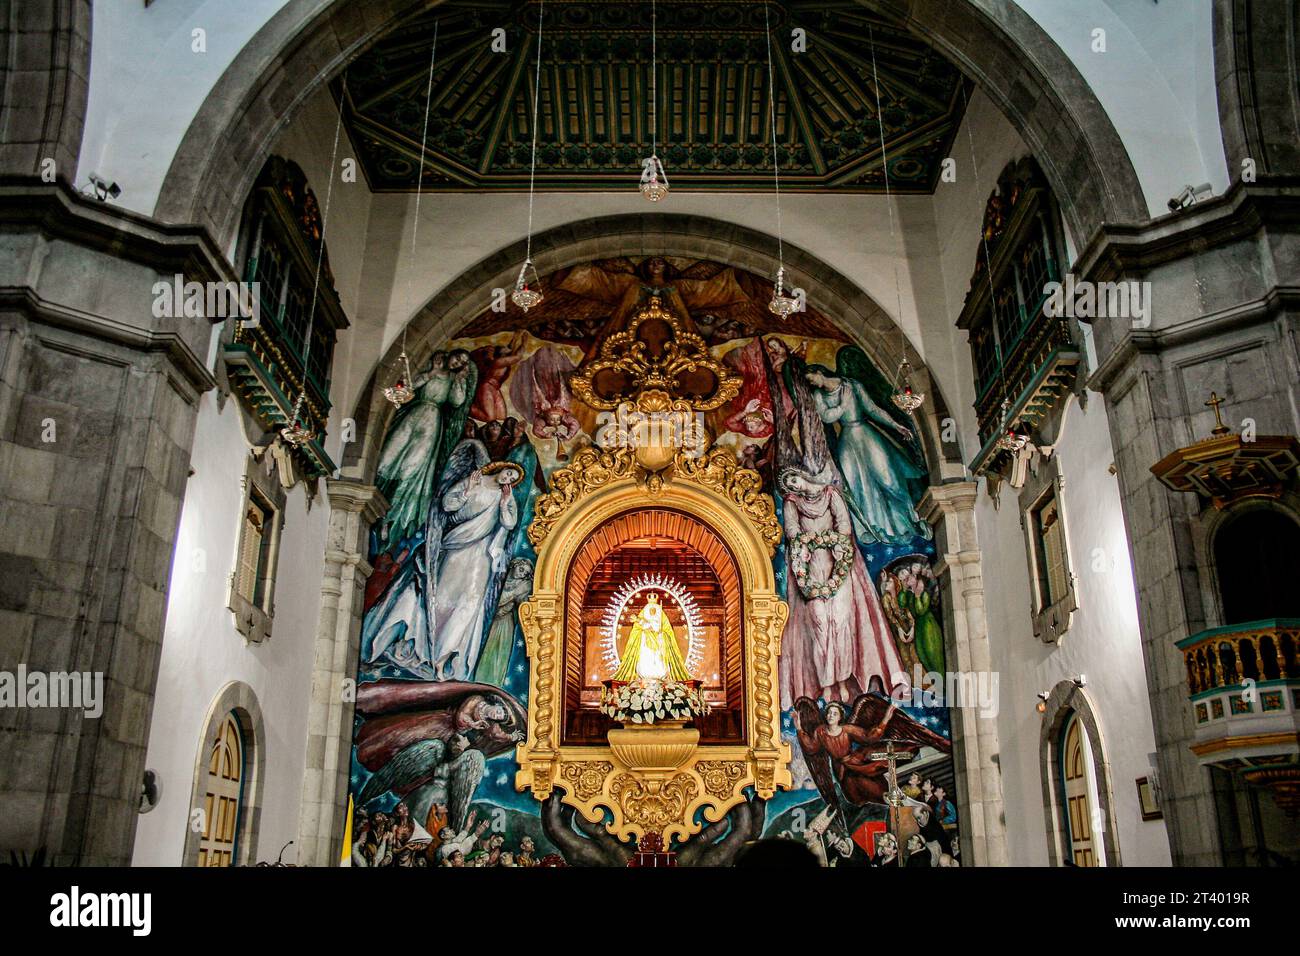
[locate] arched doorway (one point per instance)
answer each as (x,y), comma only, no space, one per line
(223,796)
(1080,790)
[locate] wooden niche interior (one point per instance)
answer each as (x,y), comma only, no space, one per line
(681,548)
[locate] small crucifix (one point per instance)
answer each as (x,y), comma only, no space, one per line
(1219,427)
(895,796)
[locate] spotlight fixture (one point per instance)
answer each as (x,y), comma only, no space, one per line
(101,188)
(1189,196)
(1041,706)
(1080,681)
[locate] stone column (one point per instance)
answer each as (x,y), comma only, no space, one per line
(950,510)
(98,399)
(354,508)
(1222,316)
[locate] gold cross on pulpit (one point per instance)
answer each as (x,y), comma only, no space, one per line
(1219,427)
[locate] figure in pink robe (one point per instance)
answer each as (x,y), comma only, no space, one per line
(837,637)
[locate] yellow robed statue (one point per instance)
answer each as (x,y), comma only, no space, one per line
(651,651)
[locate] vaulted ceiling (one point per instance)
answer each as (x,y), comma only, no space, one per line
(594,122)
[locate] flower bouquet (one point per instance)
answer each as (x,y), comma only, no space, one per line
(646,700)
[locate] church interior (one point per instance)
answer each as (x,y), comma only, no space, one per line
(553,433)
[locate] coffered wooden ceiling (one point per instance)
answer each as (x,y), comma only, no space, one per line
(594,113)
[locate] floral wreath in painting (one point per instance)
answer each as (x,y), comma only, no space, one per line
(802,546)
(654,582)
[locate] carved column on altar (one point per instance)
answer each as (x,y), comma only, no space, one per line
(354,508)
(950,510)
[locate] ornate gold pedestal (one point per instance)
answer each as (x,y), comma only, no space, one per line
(654,750)
(655,778)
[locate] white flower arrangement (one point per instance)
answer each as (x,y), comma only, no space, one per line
(645,700)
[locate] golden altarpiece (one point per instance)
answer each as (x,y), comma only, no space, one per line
(646,512)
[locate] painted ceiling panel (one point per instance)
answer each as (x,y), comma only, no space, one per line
(595,123)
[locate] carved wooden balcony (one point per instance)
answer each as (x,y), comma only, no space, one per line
(1243,682)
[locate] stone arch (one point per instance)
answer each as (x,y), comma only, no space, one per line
(1256,46)
(237,698)
(997,44)
(1205,531)
(1068,698)
(45,83)
(640,234)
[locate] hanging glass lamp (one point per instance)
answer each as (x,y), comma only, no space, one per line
(906,399)
(523,296)
(782,304)
(1009,439)
(654,181)
(401,392)
(297,432)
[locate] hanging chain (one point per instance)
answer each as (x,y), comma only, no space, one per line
(889,202)
(419,174)
(320,255)
(654,82)
(776,160)
(532,170)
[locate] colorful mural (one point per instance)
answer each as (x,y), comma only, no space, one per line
(443,676)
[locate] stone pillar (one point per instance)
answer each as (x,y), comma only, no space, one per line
(98,399)
(1223,316)
(950,510)
(354,508)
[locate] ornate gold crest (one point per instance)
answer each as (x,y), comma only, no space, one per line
(654,352)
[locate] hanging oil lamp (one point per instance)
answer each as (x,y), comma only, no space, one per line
(401,392)
(654,181)
(1009,439)
(904,398)
(297,432)
(782,304)
(523,296)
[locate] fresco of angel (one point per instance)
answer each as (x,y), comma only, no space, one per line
(875,452)
(467,550)
(837,744)
(428,743)
(540,392)
(420,439)
(837,638)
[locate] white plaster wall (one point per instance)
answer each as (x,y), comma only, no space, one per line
(202,651)
(1103,643)
(1156,82)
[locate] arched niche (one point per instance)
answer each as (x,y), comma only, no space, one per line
(723,510)
(681,553)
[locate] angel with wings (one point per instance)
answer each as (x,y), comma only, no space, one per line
(875,452)
(429,743)
(837,744)
(467,549)
(540,392)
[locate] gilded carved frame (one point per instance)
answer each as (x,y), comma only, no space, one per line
(599,486)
